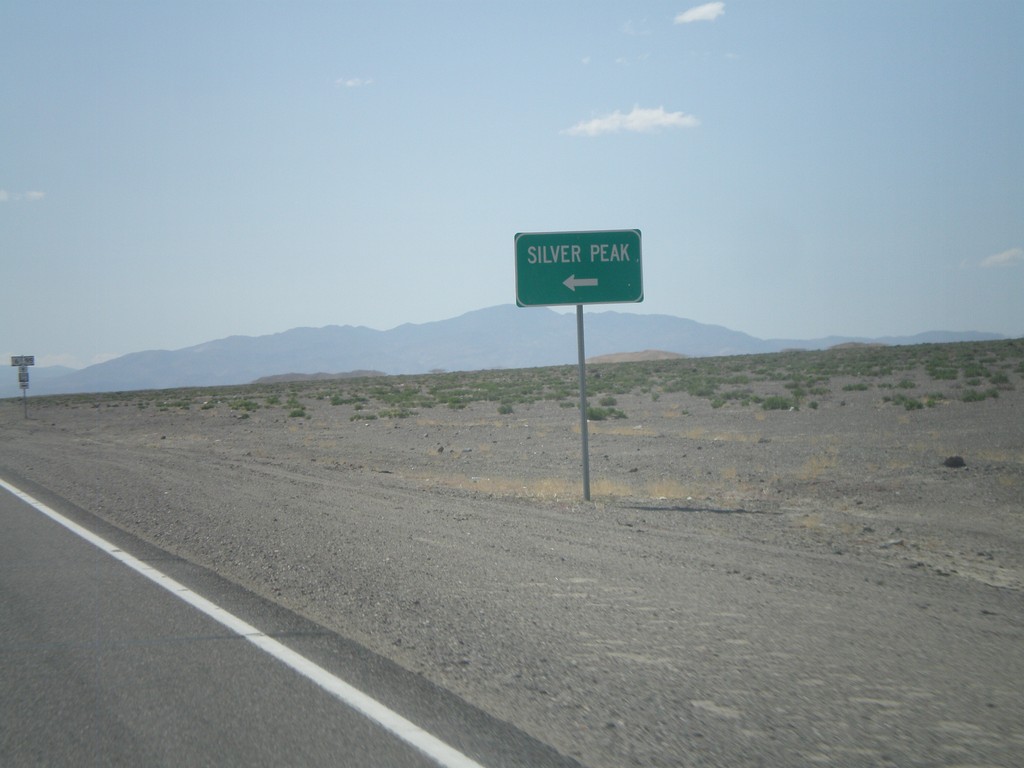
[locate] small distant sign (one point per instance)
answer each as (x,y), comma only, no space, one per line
(23,376)
(22,360)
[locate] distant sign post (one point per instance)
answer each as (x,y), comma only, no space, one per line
(22,362)
(560,268)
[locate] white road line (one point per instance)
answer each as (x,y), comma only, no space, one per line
(410,733)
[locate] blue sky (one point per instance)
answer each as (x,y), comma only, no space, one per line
(176,172)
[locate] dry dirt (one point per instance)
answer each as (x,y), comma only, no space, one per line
(746,587)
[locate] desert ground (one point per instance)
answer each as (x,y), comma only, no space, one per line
(793,559)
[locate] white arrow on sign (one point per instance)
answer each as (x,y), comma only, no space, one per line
(584,282)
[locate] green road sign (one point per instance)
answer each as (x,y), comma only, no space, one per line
(602,267)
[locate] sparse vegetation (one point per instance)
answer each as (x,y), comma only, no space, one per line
(909,403)
(596,413)
(967,373)
(977,395)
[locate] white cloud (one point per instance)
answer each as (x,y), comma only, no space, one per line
(31,197)
(1010,258)
(706,12)
(353,82)
(638,121)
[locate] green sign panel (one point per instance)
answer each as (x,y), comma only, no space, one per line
(602,267)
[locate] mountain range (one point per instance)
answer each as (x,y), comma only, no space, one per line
(498,337)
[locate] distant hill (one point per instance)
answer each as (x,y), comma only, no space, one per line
(857,345)
(499,337)
(278,378)
(635,357)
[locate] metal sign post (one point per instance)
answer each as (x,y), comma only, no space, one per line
(557,268)
(584,437)
(22,362)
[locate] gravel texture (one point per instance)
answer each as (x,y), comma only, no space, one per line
(746,587)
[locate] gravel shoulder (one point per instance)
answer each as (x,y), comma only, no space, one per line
(746,587)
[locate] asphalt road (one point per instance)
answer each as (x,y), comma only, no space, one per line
(102,666)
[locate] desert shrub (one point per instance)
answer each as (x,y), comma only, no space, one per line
(702,388)
(357,401)
(395,413)
(505,408)
(977,395)
(608,400)
(943,374)
(168,404)
(860,386)
(799,393)
(1001,380)
(909,403)
(600,414)
(778,403)
(975,370)
(744,396)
